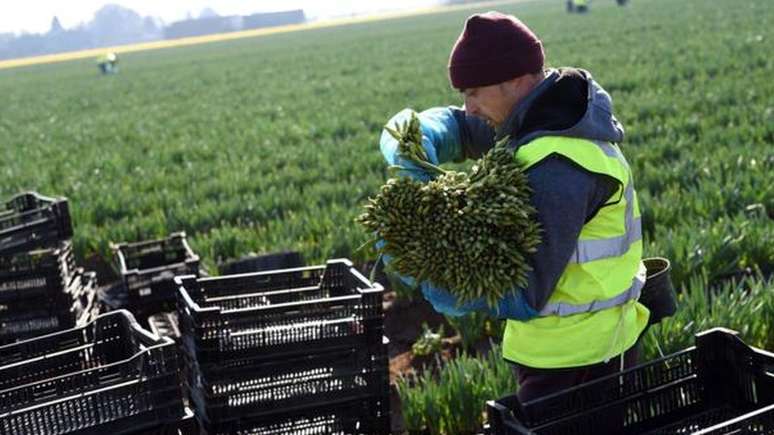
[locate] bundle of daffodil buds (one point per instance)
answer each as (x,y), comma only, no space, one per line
(468,232)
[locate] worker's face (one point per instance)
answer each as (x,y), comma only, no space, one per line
(492,103)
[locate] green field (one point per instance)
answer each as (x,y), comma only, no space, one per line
(271,143)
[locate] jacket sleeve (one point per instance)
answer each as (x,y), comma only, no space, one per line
(565,196)
(448,135)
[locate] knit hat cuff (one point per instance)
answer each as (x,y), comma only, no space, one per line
(496,70)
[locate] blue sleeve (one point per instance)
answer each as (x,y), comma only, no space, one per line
(511,306)
(448,135)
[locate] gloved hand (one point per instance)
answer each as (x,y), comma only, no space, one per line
(514,306)
(446,303)
(440,139)
(511,306)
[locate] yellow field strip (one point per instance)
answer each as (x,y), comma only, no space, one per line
(94,52)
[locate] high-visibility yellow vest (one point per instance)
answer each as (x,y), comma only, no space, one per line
(593,313)
(580,2)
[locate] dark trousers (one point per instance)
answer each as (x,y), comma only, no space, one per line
(535,383)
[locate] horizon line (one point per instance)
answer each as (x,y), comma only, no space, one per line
(240,34)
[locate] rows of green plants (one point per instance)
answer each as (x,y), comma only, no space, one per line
(271,143)
(451,401)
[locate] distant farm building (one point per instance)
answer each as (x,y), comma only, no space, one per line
(203,26)
(233,23)
(271,19)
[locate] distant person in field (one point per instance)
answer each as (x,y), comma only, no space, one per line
(108,63)
(580,6)
(579,317)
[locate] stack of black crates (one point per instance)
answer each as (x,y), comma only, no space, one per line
(106,377)
(285,352)
(147,271)
(41,290)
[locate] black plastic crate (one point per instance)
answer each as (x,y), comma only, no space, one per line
(147,269)
(14,330)
(83,290)
(36,273)
(723,420)
(109,376)
(69,302)
(719,386)
(268,314)
(249,387)
(28,318)
(185,425)
(29,221)
(345,417)
(164,325)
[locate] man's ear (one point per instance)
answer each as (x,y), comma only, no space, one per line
(511,87)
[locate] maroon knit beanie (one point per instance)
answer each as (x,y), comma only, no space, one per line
(493,48)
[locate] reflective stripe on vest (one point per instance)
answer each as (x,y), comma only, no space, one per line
(633,292)
(590,250)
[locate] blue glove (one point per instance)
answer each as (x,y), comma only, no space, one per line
(440,138)
(445,303)
(511,306)
(514,306)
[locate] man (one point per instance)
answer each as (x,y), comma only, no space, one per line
(108,63)
(580,6)
(579,312)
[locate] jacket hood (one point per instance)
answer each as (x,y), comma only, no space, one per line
(567,103)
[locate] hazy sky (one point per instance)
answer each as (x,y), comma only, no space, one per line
(35,15)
